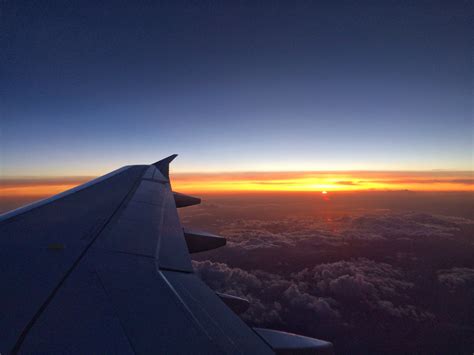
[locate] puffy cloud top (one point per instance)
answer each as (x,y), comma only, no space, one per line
(457,278)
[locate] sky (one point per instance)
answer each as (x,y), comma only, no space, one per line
(238,86)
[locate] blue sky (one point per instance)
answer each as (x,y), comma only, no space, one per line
(236,86)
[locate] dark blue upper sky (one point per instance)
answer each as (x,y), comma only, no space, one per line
(238,85)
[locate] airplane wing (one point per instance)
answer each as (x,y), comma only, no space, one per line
(105,268)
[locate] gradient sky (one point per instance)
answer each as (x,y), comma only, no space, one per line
(235,86)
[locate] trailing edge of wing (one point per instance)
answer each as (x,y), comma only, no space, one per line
(163,165)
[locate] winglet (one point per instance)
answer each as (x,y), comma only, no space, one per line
(163,165)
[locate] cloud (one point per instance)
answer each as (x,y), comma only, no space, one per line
(404,225)
(346,182)
(273,299)
(220,277)
(287,232)
(303,302)
(354,301)
(253,234)
(364,284)
(456,278)
(425,181)
(223,278)
(250,238)
(329,294)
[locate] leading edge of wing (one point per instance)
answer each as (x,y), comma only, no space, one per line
(18,211)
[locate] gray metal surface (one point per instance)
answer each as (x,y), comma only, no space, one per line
(41,245)
(149,225)
(105,269)
(80,319)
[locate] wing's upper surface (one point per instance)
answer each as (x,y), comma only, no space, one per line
(105,268)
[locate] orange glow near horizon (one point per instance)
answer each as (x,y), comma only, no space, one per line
(38,187)
(34,190)
(323,182)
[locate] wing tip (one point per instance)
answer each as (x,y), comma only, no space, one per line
(163,165)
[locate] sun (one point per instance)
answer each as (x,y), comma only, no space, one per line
(324,192)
